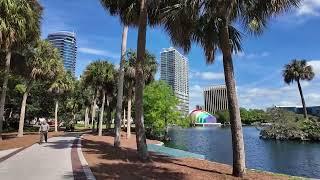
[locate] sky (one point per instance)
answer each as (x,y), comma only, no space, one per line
(258,69)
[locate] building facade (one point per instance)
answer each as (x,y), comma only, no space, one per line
(174,69)
(67,44)
(215,99)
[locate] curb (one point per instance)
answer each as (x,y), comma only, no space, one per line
(83,161)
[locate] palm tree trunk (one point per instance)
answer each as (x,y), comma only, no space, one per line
(139,122)
(120,88)
(129,113)
(86,117)
(4,90)
(93,113)
(56,116)
(23,109)
(305,113)
(109,116)
(101,113)
(234,110)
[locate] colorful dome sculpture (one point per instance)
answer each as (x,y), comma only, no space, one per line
(202,117)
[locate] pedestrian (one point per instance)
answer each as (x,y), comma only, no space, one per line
(43,130)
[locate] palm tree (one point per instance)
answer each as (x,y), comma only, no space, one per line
(298,70)
(100,75)
(43,63)
(61,85)
(135,13)
(213,25)
(150,69)
(113,7)
(19,24)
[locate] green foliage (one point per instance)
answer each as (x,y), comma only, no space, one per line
(21,88)
(223,117)
(160,108)
(291,126)
(247,116)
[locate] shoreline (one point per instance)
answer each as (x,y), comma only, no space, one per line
(106,162)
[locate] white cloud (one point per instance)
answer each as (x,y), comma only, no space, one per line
(243,55)
(263,97)
(316,66)
(208,75)
(196,96)
(98,52)
(309,7)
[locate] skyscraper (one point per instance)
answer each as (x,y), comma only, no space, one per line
(215,99)
(67,44)
(175,71)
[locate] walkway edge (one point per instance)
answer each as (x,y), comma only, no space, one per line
(84,162)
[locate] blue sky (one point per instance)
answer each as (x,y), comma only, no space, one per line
(258,68)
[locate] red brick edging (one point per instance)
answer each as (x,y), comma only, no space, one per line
(78,172)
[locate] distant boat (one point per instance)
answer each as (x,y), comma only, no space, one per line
(203,118)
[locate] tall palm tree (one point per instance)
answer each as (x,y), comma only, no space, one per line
(63,83)
(150,68)
(296,71)
(213,25)
(19,24)
(43,63)
(113,7)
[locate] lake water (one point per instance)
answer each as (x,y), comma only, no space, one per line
(293,158)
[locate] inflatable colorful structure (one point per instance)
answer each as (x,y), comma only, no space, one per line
(200,117)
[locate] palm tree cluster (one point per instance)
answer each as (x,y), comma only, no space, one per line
(214,25)
(211,24)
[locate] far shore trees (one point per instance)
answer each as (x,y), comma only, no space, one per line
(298,70)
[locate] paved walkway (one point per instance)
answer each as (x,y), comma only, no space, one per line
(57,159)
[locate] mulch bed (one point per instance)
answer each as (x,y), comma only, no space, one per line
(107,162)
(10,140)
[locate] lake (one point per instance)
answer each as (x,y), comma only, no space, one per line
(293,158)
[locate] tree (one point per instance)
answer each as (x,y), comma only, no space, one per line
(298,70)
(100,75)
(19,24)
(63,83)
(150,69)
(43,63)
(135,13)
(213,25)
(160,108)
(126,14)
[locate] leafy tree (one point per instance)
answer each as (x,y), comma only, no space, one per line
(298,70)
(43,63)
(150,69)
(19,25)
(214,25)
(63,83)
(160,108)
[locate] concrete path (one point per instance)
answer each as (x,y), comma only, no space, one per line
(57,159)
(7,152)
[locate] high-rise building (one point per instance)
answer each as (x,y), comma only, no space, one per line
(175,71)
(67,44)
(215,99)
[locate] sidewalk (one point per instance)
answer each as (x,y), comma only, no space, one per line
(51,161)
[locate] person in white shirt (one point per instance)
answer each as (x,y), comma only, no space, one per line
(43,131)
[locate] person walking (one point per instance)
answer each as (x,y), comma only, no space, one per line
(43,130)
